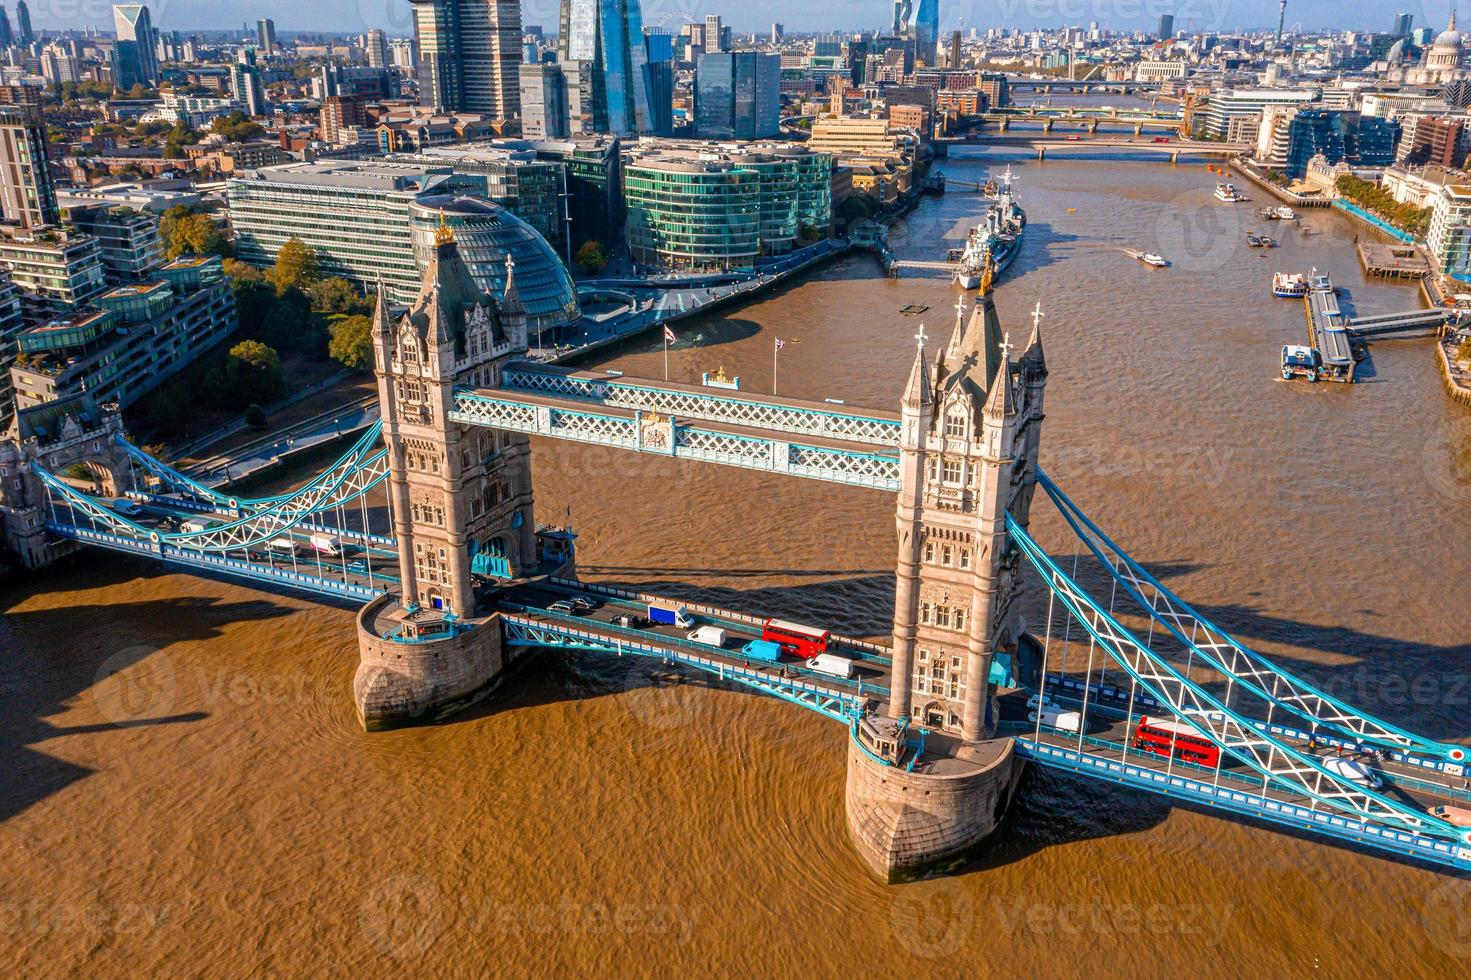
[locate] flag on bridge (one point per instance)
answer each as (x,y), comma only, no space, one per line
(668,334)
(780,343)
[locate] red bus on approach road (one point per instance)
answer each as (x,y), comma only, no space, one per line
(1161,736)
(795,639)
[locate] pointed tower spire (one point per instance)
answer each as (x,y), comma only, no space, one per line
(511,299)
(1034,356)
(917,391)
(1001,400)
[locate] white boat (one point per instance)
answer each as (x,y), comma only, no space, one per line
(1154,259)
(1284,213)
(1289,284)
(1227,193)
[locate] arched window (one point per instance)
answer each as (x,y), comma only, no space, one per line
(955,425)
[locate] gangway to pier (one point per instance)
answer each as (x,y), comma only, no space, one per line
(1328,332)
(1412,321)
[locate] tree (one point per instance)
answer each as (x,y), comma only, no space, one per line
(857,207)
(185,231)
(352,342)
(237,127)
(337,295)
(295,268)
(253,372)
(255,416)
(590,258)
(241,272)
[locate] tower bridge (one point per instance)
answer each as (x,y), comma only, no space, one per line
(427,522)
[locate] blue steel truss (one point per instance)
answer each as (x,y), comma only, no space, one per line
(548,630)
(667,436)
(1273,757)
(1214,646)
(787,416)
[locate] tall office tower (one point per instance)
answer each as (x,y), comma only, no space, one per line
(469,55)
(919,20)
(776,32)
(954,51)
(605,39)
(738,95)
(1166,26)
(27,196)
(25,35)
(659,81)
(376,48)
(265,33)
(544,112)
(245,84)
(404,52)
(134,61)
(1403,24)
(1281,18)
(7,38)
(714,37)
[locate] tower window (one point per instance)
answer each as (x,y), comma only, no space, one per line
(952,471)
(955,425)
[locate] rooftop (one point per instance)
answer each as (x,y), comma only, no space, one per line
(376,175)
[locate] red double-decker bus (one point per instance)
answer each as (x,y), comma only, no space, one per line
(795,639)
(1161,736)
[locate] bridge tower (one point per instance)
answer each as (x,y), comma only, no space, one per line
(461,495)
(971,422)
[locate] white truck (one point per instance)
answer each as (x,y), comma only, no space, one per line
(282,546)
(831,664)
(325,544)
(709,635)
(1067,721)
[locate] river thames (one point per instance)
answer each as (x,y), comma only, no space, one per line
(186,785)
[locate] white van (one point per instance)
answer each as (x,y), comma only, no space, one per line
(710,635)
(325,544)
(126,507)
(195,525)
(1043,699)
(286,546)
(1352,770)
(832,664)
(1067,721)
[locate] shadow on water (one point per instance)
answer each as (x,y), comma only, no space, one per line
(40,681)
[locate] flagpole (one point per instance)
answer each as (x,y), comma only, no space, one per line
(666,353)
(775,347)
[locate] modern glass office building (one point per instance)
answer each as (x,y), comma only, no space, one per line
(354,214)
(607,36)
(738,95)
(712,207)
(486,234)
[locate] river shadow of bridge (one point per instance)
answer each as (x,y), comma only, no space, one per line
(110,677)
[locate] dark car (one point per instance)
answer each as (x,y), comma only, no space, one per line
(631,621)
(584,605)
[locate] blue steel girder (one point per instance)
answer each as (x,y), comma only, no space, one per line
(1271,756)
(838,705)
(346,484)
(1214,646)
(829,421)
(832,464)
(1181,786)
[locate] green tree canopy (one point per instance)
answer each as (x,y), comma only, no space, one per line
(590,258)
(237,127)
(253,372)
(295,268)
(337,295)
(184,231)
(352,342)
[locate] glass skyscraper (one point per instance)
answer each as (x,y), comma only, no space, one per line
(134,61)
(738,95)
(920,20)
(606,39)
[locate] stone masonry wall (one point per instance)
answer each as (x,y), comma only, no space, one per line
(413,683)
(905,824)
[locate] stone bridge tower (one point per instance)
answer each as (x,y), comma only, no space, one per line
(971,424)
(460,494)
(972,421)
(54,436)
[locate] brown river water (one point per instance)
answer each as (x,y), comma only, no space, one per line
(186,788)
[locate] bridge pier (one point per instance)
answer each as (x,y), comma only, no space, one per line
(906,824)
(1041,153)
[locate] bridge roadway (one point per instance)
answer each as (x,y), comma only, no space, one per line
(1094,142)
(1108,730)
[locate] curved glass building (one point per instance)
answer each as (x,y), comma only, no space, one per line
(486,233)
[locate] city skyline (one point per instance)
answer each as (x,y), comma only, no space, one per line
(350,16)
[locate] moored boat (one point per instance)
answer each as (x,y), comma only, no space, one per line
(1289,285)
